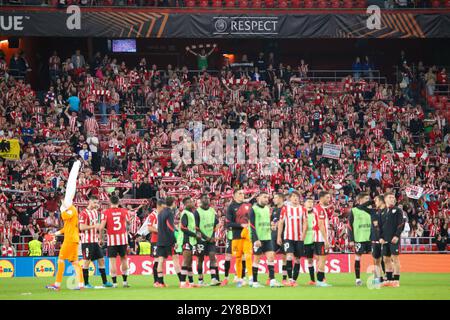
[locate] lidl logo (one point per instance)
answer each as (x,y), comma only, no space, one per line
(6,269)
(91,267)
(44,268)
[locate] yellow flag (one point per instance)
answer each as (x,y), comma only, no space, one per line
(10,149)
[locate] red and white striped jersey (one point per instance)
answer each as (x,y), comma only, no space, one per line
(49,248)
(89,218)
(320,214)
(293,222)
(91,125)
(7,251)
(135,223)
(39,214)
(153,222)
(73,123)
(116,226)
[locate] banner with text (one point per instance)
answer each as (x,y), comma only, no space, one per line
(332,151)
(151,23)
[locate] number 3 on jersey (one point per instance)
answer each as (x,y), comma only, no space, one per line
(117,223)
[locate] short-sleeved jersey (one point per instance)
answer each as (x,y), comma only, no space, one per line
(89,218)
(70,229)
(320,215)
(116,226)
(293,222)
(153,222)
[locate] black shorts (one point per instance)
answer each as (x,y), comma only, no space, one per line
(165,251)
(91,251)
(363,247)
(309,250)
(266,246)
(187,247)
(277,248)
(319,249)
(113,251)
(376,250)
(153,247)
(228,246)
(390,249)
(204,248)
(295,247)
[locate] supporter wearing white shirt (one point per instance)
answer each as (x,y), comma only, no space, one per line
(85,154)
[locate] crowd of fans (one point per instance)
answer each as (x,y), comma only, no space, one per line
(118,119)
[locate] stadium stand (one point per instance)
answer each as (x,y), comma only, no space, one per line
(391,136)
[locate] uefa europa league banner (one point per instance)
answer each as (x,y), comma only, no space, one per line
(149,23)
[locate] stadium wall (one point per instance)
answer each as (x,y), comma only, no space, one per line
(142,265)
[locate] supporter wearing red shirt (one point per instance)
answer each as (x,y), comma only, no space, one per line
(52,203)
(442,77)
(94,184)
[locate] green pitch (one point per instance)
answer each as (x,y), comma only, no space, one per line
(413,286)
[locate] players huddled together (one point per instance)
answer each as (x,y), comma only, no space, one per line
(291,226)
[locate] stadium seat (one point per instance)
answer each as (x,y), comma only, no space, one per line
(108,3)
(256,4)
(360,4)
(422,248)
(309,4)
(269,3)
(295,3)
(447,4)
(436,3)
(439,106)
(282,4)
(204,3)
(335,4)
(229,3)
(217,3)
(348,4)
(322,4)
(190,3)
(244,4)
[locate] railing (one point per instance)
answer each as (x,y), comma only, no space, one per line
(435,100)
(419,245)
(339,74)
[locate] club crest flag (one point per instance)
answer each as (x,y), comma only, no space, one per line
(414,192)
(10,149)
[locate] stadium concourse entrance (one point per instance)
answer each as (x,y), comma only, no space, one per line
(320,54)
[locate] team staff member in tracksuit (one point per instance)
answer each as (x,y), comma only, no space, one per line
(359,231)
(278,202)
(392,224)
(380,208)
(165,246)
(206,223)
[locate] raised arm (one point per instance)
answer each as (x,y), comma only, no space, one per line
(71,186)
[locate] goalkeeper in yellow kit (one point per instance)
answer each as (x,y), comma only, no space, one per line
(69,248)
